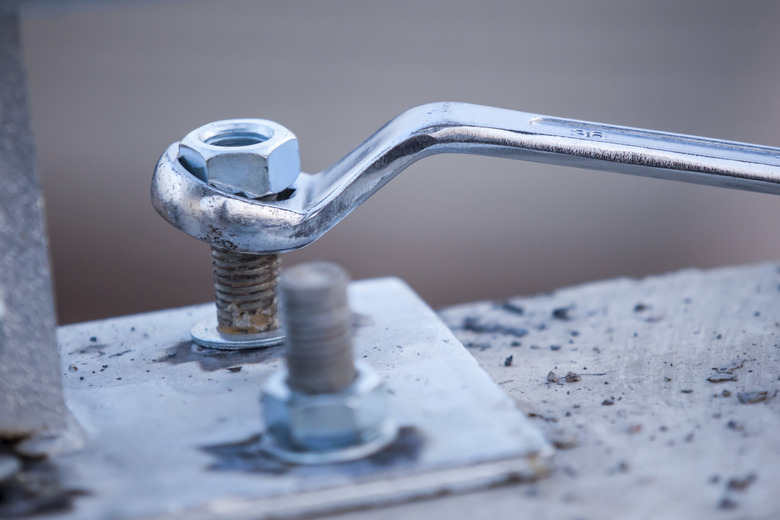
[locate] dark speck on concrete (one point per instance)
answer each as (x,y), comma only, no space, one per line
(98,348)
(93,339)
(234,369)
(735,365)
(741,483)
(573,377)
(562,313)
(734,425)
(687,390)
(607,402)
(508,361)
(754,397)
(555,347)
(726,504)
(473,324)
(643,312)
(721,378)
(514,308)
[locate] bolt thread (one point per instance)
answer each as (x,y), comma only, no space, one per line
(318,328)
(245,287)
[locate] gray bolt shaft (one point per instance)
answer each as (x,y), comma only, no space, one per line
(318,328)
(245,286)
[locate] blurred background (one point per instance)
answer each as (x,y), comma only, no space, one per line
(112,84)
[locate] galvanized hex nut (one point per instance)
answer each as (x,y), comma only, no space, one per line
(254,157)
(356,415)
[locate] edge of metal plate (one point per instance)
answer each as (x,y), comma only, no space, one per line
(172,429)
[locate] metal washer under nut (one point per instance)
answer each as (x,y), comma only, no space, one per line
(206,334)
(386,437)
(373,439)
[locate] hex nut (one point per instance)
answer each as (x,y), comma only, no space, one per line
(253,157)
(300,422)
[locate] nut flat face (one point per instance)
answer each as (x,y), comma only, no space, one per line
(253,157)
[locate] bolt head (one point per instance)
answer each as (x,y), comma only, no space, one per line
(253,157)
(355,415)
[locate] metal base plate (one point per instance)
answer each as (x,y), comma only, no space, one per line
(174,430)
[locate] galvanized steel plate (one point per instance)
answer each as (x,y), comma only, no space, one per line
(173,430)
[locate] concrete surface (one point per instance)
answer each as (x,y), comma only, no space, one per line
(643,433)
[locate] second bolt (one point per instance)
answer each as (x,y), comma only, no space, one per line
(318,327)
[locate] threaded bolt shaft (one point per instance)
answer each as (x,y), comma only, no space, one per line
(245,286)
(318,328)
